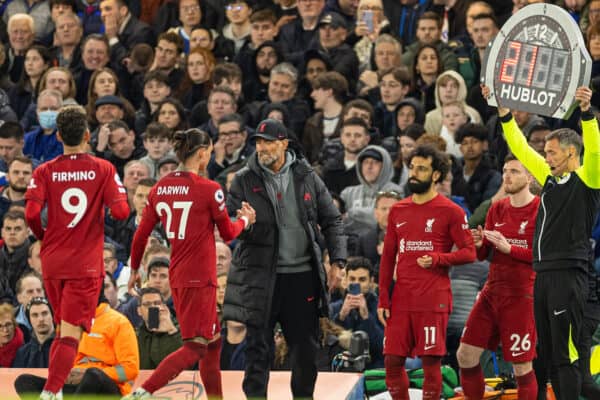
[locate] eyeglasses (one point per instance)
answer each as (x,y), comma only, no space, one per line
(189,9)
(7,326)
(232,7)
(149,304)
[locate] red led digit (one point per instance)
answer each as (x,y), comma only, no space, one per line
(508,69)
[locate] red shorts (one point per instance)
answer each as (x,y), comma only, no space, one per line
(411,333)
(196,309)
(506,320)
(74,300)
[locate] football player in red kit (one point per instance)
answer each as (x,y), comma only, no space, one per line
(189,206)
(75,187)
(503,311)
(421,232)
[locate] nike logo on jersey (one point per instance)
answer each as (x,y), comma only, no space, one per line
(518,354)
(429,347)
(399,224)
(559,312)
(497,225)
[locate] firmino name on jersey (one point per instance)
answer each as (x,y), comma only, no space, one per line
(172,190)
(73,176)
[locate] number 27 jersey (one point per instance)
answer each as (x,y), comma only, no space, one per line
(76,188)
(189,206)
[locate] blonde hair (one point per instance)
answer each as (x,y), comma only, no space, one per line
(7,309)
(21,17)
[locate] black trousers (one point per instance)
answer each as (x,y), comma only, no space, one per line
(559,300)
(294,306)
(94,381)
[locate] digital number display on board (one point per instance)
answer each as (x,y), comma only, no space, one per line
(537,61)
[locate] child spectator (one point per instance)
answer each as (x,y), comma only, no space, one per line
(453,117)
(157,142)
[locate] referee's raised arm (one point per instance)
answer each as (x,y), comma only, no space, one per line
(517,143)
(589,172)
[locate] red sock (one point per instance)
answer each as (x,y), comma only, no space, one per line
(61,362)
(53,347)
(189,354)
(472,382)
(210,370)
(396,378)
(432,384)
(527,385)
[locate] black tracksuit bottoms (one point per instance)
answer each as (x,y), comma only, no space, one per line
(295,307)
(559,300)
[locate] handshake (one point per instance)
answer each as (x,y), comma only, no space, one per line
(247,213)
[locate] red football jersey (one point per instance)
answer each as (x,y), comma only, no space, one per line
(75,188)
(511,274)
(415,230)
(188,206)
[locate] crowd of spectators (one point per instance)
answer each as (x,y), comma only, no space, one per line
(358,84)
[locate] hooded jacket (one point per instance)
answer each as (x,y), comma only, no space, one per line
(251,279)
(433,119)
(360,199)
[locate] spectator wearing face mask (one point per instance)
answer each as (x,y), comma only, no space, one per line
(41,143)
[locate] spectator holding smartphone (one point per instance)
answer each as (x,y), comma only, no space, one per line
(159,337)
(358,310)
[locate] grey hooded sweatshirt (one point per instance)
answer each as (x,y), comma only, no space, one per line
(294,251)
(360,199)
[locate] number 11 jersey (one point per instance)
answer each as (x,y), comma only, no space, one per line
(75,188)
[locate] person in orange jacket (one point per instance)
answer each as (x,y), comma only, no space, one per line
(107,360)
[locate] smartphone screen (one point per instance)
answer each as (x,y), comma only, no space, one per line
(153,317)
(354,288)
(368,19)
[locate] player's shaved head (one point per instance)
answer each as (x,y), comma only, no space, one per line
(71,123)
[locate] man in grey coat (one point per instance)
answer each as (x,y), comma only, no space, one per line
(277,273)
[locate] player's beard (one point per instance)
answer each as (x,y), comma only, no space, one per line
(419,187)
(512,189)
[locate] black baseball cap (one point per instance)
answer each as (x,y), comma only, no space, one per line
(334,19)
(370,153)
(271,129)
(115,100)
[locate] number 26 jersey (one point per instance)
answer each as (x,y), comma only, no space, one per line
(75,188)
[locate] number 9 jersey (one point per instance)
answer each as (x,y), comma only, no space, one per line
(75,188)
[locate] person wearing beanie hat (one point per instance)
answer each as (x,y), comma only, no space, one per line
(36,352)
(375,172)
(290,286)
